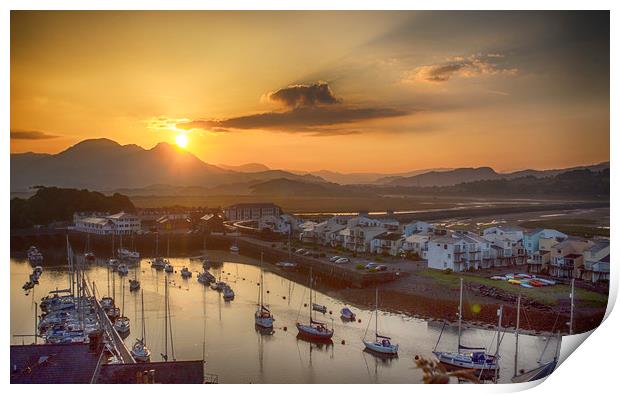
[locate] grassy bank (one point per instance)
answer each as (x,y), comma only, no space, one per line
(573,226)
(549,295)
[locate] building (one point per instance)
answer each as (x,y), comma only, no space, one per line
(387,243)
(417,227)
(417,243)
(280,224)
(173,223)
(567,258)
(596,262)
(458,251)
(121,223)
(358,238)
(212,223)
(251,211)
(539,261)
(506,246)
(531,239)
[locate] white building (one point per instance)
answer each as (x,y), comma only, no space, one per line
(387,243)
(417,243)
(458,251)
(279,224)
(121,223)
(419,227)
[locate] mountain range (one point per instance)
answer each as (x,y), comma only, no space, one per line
(105,165)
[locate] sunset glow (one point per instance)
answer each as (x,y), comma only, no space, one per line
(182,140)
(409,89)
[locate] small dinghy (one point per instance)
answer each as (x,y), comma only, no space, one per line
(123,270)
(234,248)
(186,273)
(121,324)
(319,308)
(347,314)
(527,285)
(168,268)
(134,284)
(228,293)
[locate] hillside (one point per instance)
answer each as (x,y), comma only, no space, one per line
(52,204)
(102,164)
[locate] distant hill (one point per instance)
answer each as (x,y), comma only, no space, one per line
(352,178)
(464,175)
(293,188)
(102,164)
(52,204)
(249,167)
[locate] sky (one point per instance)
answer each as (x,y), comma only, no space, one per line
(342,91)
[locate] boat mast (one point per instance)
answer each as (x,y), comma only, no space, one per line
(165,355)
(157,244)
(168,246)
(123,297)
(261,280)
(113,244)
(572,306)
(460,314)
(499,327)
(517,333)
(376,312)
(310,305)
(143,326)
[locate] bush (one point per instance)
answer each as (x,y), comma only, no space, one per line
(354,254)
(322,254)
(359,266)
(372,270)
(447,271)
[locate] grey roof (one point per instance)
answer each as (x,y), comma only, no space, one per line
(53,363)
(165,372)
(599,245)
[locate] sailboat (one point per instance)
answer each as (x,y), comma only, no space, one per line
(315,330)
(159,263)
(88,254)
(140,352)
(475,358)
(134,284)
(234,248)
(167,323)
(381,344)
(121,324)
(262,316)
(288,263)
(544,369)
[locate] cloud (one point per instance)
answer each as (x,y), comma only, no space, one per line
(314,120)
(466,67)
(295,96)
(31,135)
(312,109)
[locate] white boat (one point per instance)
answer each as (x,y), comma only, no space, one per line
(474,358)
(89,256)
(134,284)
(121,324)
(34,256)
(319,308)
(125,254)
(168,268)
(347,314)
(314,330)
(228,293)
(122,269)
(381,344)
(113,263)
(140,352)
(262,317)
(234,248)
(159,263)
(205,278)
(186,273)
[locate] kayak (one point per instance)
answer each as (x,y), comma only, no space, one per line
(527,285)
(514,282)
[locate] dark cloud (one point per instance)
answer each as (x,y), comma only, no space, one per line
(304,95)
(317,120)
(31,135)
(467,67)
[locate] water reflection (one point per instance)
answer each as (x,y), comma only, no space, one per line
(224,333)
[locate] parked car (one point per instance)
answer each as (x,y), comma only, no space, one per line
(306,253)
(342,260)
(300,251)
(371,265)
(381,267)
(334,258)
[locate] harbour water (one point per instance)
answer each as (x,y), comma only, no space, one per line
(204,325)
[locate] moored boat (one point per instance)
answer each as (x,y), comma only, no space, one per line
(186,273)
(314,330)
(347,314)
(381,344)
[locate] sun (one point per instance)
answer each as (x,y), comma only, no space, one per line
(182,140)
